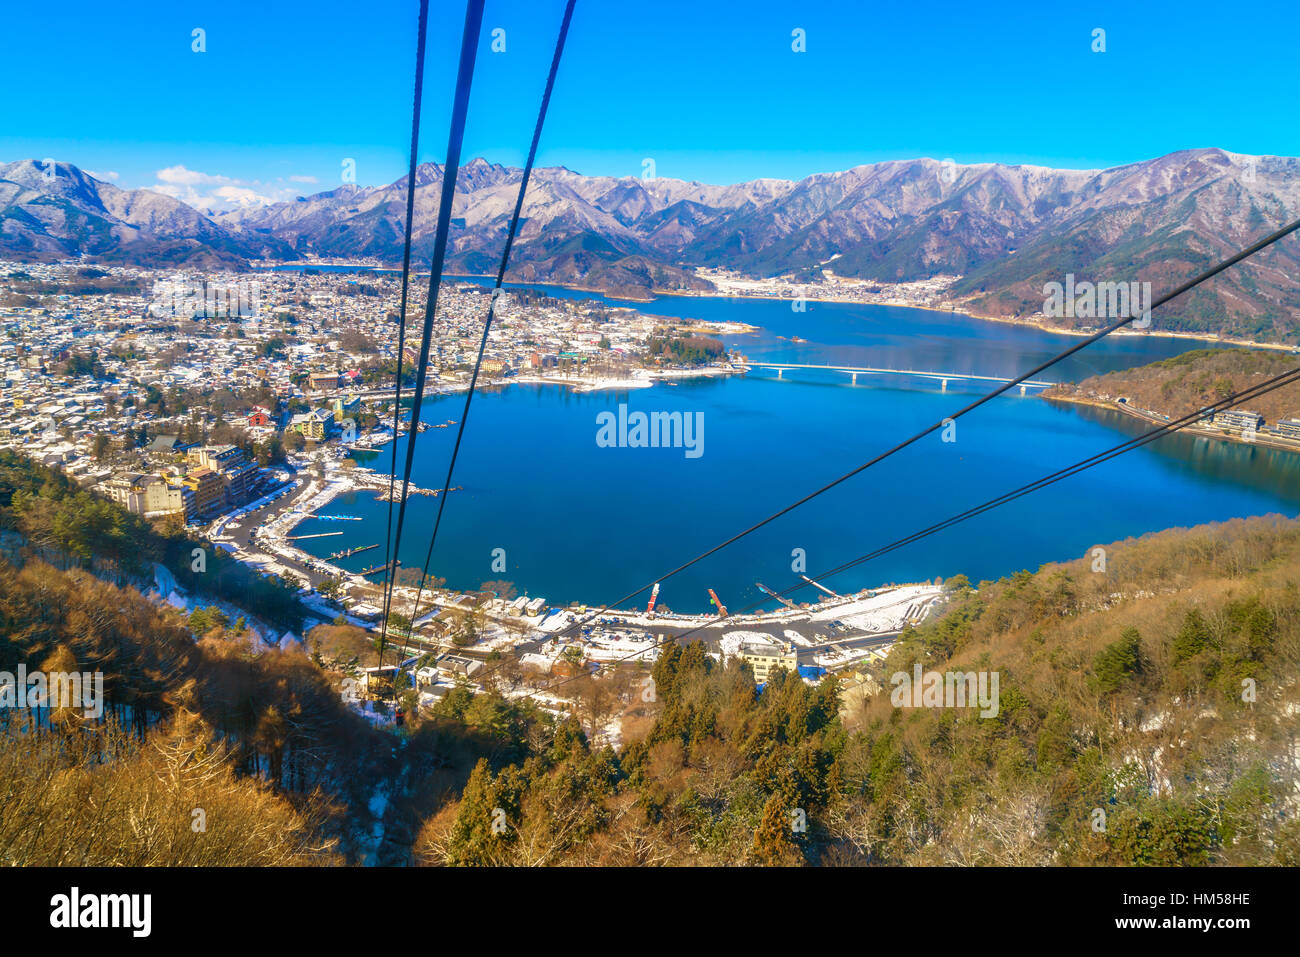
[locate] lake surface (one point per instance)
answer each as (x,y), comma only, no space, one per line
(583,522)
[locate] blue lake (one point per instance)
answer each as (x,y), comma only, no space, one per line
(583,522)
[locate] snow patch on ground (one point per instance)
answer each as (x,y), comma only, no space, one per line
(729,644)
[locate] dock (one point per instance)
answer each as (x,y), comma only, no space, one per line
(375,569)
(349,552)
(785,601)
(819,587)
(298,538)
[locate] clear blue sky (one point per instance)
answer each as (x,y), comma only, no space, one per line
(709,88)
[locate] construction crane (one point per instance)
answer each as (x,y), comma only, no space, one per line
(722,609)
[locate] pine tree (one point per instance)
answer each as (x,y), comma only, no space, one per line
(1192,637)
(1117,661)
(773,846)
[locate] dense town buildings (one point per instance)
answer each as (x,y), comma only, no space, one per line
(132,382)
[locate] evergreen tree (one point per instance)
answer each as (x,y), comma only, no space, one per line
(1118,661)
(773,846)
(1192,638)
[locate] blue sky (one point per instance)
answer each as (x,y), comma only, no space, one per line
(710,89)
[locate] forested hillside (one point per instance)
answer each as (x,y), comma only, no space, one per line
(1122,737)
(195,719)
(1195,380)
(255,740)
(41,510)
(1147,714)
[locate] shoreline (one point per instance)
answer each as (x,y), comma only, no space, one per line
(1161,334)
(1195,430)
(339,482)
(320,493)
(948,307)
(954,309)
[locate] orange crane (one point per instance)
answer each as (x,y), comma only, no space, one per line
(722,609)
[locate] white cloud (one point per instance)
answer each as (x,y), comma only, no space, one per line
(180,176)
(213,192)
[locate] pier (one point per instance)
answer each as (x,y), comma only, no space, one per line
(785,601)
(819,587)
(349,552)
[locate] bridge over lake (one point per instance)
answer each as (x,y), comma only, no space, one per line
(855,371)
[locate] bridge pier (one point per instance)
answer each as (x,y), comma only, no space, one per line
(945,386)
(1022,388)
(778,372)
(855,378)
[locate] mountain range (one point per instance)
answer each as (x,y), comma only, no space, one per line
(1003,230)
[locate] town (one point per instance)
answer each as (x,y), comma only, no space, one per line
(826,286)
(179,400)
(230,405)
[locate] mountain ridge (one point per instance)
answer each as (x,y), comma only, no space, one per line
(1004,230)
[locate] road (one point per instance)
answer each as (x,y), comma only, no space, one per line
(242,537)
